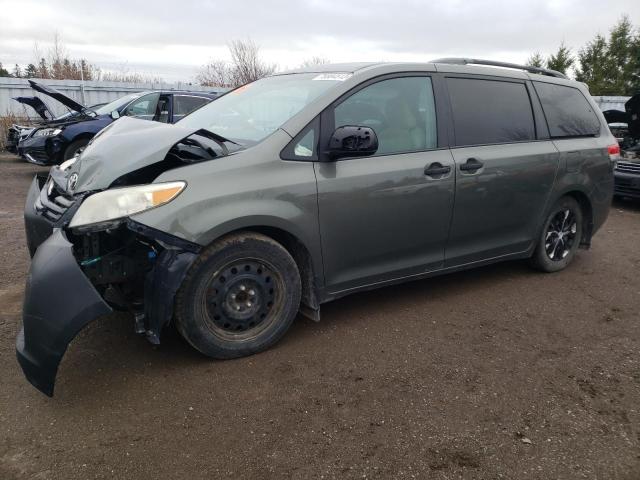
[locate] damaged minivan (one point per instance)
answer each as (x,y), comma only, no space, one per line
(306,186)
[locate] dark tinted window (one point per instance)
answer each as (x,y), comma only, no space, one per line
(488,111)
(568,112)
(183,105)
(400,110)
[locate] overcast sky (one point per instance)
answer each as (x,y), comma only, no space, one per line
(172,39)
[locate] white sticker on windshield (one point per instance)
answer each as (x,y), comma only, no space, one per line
(336,77)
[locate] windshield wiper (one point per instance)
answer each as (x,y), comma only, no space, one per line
(215,137)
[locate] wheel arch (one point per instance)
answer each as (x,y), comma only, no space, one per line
(310,267)
(587,212)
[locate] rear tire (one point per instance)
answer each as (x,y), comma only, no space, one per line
(239,297)
(560,237)
(75,148)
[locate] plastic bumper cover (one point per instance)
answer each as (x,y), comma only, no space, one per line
(59,301)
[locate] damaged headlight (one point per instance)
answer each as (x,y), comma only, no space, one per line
(118,203)
(47,132)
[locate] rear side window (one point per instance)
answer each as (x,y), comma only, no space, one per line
(490,111)
(568,112)
(183,105)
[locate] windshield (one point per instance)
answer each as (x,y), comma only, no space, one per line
(252,112)
(116,104)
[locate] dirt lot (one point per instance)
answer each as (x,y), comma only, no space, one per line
(495,373)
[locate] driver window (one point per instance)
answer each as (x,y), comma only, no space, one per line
(144,107)
(400,110)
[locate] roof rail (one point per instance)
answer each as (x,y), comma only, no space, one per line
(491,63)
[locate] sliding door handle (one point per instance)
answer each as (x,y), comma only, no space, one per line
(436,169)
(471,165)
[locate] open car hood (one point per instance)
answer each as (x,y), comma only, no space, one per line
(38,105)
(59,96)
(127,145)
(615,116)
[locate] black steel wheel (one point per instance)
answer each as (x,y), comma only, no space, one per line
(240,296)
(560,237)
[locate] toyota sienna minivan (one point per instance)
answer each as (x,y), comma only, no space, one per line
(306,186)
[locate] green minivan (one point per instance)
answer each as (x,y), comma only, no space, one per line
(306,186)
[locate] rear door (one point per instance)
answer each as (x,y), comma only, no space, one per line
(505,167)
(387,215)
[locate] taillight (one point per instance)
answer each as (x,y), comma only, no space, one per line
(614,155)
(614,152)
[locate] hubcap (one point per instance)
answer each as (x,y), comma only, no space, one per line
(560,235)
(241,295)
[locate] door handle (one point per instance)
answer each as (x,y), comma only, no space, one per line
(471,165)
(436,168)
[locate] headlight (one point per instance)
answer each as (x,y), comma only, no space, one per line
(118,203)
(47,132)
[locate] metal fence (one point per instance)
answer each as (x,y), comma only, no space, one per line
(87,93)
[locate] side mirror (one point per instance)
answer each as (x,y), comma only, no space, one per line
(115,114)
(352,141)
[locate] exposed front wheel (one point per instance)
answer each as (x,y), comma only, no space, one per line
(239,297)
(560,237)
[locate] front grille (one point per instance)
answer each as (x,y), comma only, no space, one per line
(54,205)
(628,167)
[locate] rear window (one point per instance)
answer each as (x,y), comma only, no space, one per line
(568,112)
(490,111)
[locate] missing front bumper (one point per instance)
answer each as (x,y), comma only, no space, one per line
(59,302)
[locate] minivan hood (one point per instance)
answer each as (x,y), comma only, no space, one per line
(126,145)
(38,105)
(59,96)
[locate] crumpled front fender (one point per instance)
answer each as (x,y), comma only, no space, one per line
(59,301)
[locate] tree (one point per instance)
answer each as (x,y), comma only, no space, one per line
(593,66)
(536,60)
(315,60)
(59,65)
(612,66)
(623,56)
(43,69)
(562,60)
(17,73)
(216,73)
(3,71)
(31,71)
(246,66)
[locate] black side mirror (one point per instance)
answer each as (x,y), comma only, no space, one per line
(352,141)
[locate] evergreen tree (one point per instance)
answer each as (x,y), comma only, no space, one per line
(31,71)
(3,71)
(562,60)
(593,61)
(536,60)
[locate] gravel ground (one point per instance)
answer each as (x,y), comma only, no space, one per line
(499,372)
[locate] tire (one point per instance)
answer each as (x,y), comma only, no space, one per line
(560,236)
(239,297)
(75,147)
